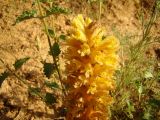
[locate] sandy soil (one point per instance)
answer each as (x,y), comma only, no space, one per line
(21,40)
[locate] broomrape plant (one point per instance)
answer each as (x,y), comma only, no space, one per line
(92,62)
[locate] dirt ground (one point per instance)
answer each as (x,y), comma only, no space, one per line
(20,40)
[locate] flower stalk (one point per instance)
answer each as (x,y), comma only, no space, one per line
(92,62)
(50,46)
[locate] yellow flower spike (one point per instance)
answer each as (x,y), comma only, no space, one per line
(93,61)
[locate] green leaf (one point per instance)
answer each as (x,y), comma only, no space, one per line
(147,115)
(34,91)
(154,102)
(140,89)
(51,32)
(130,109)
(26,15)
(3,76)
(48,69)
(137,83)
(130,106)
(50,98)
(148,75)
(57,10)
(55,49)
(20,62)
(52,85)
(158,5)
(63,37)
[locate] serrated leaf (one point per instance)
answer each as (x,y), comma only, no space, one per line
(26,15)
(3,76)
(50,98)
(52,85)
(63,37)
(57,10)
(51,32)
(34,91)
(20,62)
(55,49)
(48,69)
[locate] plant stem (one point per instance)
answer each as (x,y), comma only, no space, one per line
(100,9)
(145,37)
(50,46)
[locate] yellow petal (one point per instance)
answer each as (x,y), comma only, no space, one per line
(85,50)
(78,22)
(109,43)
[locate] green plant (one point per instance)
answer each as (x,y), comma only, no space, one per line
(137,75)
(44,10)
(100,2)
(92,62)
(136,95)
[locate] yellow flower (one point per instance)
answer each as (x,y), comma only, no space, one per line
(92,62)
